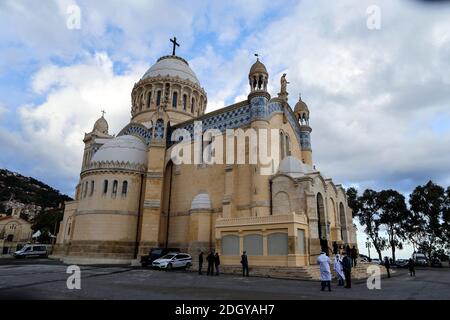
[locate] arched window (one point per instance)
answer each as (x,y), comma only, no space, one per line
(124,188)
(92,188)
(192,105)
(149,99)
(105,187)
(281,145)
(288,145)
(174,99)
(184,102)
(114,189)
(158,98)
(85,189)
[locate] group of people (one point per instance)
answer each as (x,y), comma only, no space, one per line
(351,252)
(342,266)
(213,260)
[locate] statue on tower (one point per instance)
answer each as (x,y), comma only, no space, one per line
(283,91)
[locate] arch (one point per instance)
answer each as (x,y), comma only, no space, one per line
(184,102)
(277,244)
(192,105)
(174,99)
(288,145)
(230,245)
(105,187)
(124,188)
(114,188)
(253,244)
(158,98)
(149,99)
(92,188)
(159,129)
(343,222)
(281,203)
(282,152)
(321,222)
(333,211)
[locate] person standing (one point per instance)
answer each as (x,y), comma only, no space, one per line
(339,271)
(210,260)
(354,256)
(335,247)
(200,262)
(387,265)
(412,271)
(244,262)
(217,263)
(348,251)
(347,267)
(325,273)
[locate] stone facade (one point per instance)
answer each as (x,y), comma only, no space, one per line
(132,196)
(15,232)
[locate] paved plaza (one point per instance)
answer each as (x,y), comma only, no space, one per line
(45,279)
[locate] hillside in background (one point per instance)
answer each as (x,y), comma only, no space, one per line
(32,196)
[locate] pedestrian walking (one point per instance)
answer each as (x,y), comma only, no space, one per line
(325,273)
(354,256)
(347,267)
(387,265)
(217,263)
(411,268)
(339,270)
(210,260)
(244,262)
(200,262)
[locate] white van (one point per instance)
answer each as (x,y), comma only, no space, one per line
(31,251)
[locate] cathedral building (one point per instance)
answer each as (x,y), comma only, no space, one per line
(132,196)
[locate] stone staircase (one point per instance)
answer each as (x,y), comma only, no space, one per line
(311,273)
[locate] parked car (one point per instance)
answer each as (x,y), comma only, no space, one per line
(435,262)
(375,260)
(31,251)
(156,253)
(173,260)
(401,263)
(420,259)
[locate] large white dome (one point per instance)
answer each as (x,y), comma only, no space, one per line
(293,167)
(126,149)
(172,66)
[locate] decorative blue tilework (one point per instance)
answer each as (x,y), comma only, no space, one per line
(259,108)
(159,129)
(137,130)
(305,140)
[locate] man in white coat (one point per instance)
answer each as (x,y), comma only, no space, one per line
(339,270)
(325,272)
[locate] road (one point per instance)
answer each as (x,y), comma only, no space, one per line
(45,279)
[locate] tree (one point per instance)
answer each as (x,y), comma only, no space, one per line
(393,213)
(352,200)
(431,203)
(48,220)
(366,208)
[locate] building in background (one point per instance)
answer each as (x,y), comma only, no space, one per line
(15,232)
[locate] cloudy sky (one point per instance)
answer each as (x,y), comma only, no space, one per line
(378,89)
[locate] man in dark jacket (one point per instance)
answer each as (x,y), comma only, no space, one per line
(210,260)
(347,267)
(412,271)
(354,255)
(200,262)
(348,251)
(387,265)
(217,263)
(244,262)
(335,247)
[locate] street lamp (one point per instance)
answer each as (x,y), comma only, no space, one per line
(368,245)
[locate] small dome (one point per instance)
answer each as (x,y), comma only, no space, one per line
(293,167)
(258,67)
(201,201)
(127,149)
(172,66)
(301,107)
(101,125)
